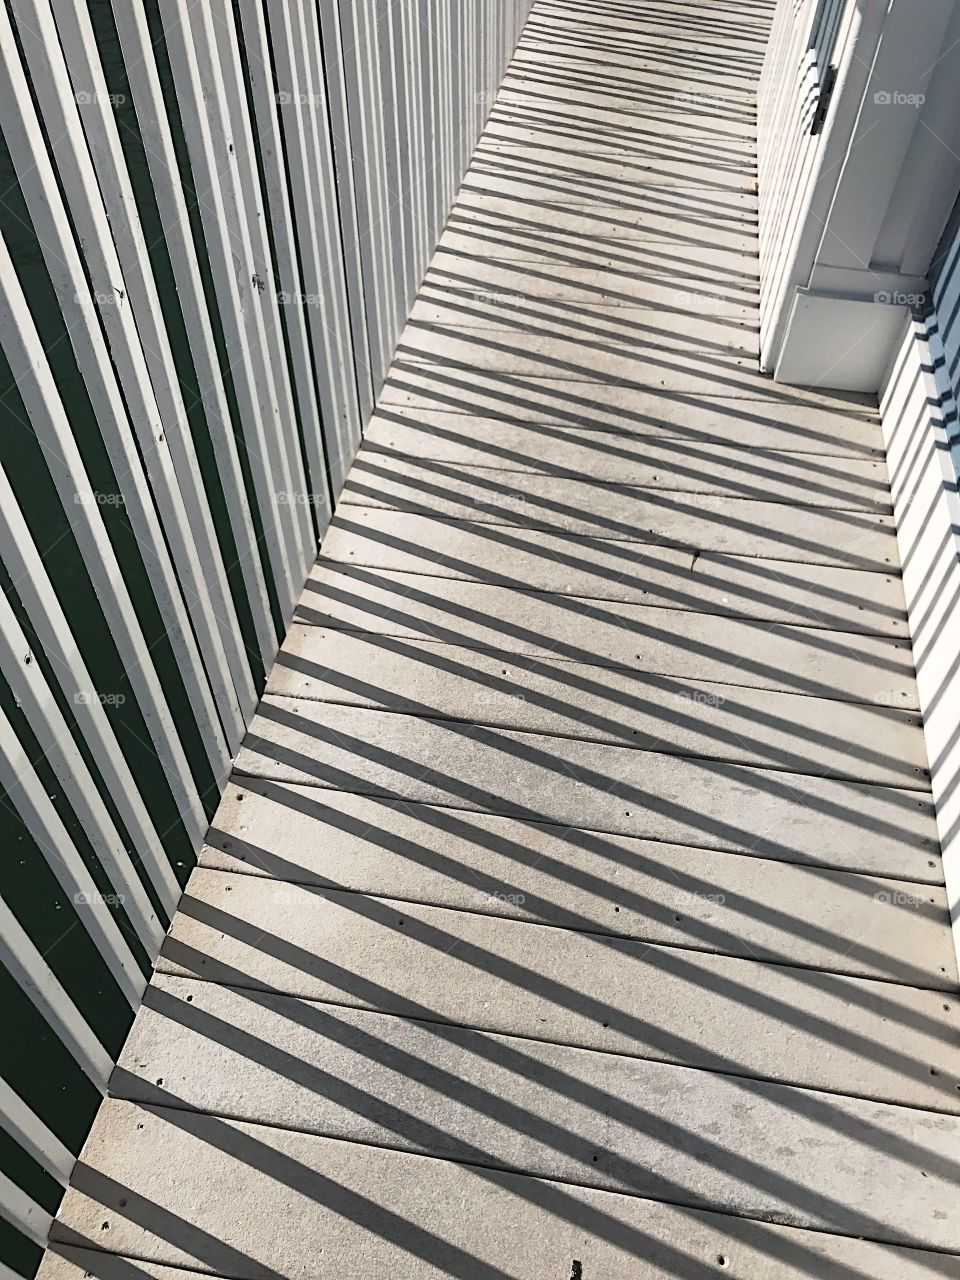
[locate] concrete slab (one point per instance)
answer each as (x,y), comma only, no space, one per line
(744,45)
(602,1120)
(712,522)
(513,125)
(691,106)
(631,192)
(63,1262)
(505,177)
(727,54)
(610,324)
(709,23)
(409,545)
(575,700)
(563,356)
(665,166)
(701,279)
(727,423)
(758,404)
(664,160)
(528,123)
(648,49)
(688,645)
(607,788)
(641,73)
(598,58)
(797,1026)
(533,119)
(720,245)
(471,235)
(866,926)
(658,280)
(678,465)
(358,1210)
(722,53)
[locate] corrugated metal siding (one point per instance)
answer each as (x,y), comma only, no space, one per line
(213,220)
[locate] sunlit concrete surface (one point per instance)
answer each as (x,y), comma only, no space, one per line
(575,909)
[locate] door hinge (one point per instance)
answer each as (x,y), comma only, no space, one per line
(823,101)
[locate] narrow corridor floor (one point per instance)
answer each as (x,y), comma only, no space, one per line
(575,908)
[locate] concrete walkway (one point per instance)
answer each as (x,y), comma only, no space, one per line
(575,910)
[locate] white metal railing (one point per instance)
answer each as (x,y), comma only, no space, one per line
(213,220)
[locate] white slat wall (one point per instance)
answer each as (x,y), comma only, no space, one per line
(921,428)
(802,40)
(213,221)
